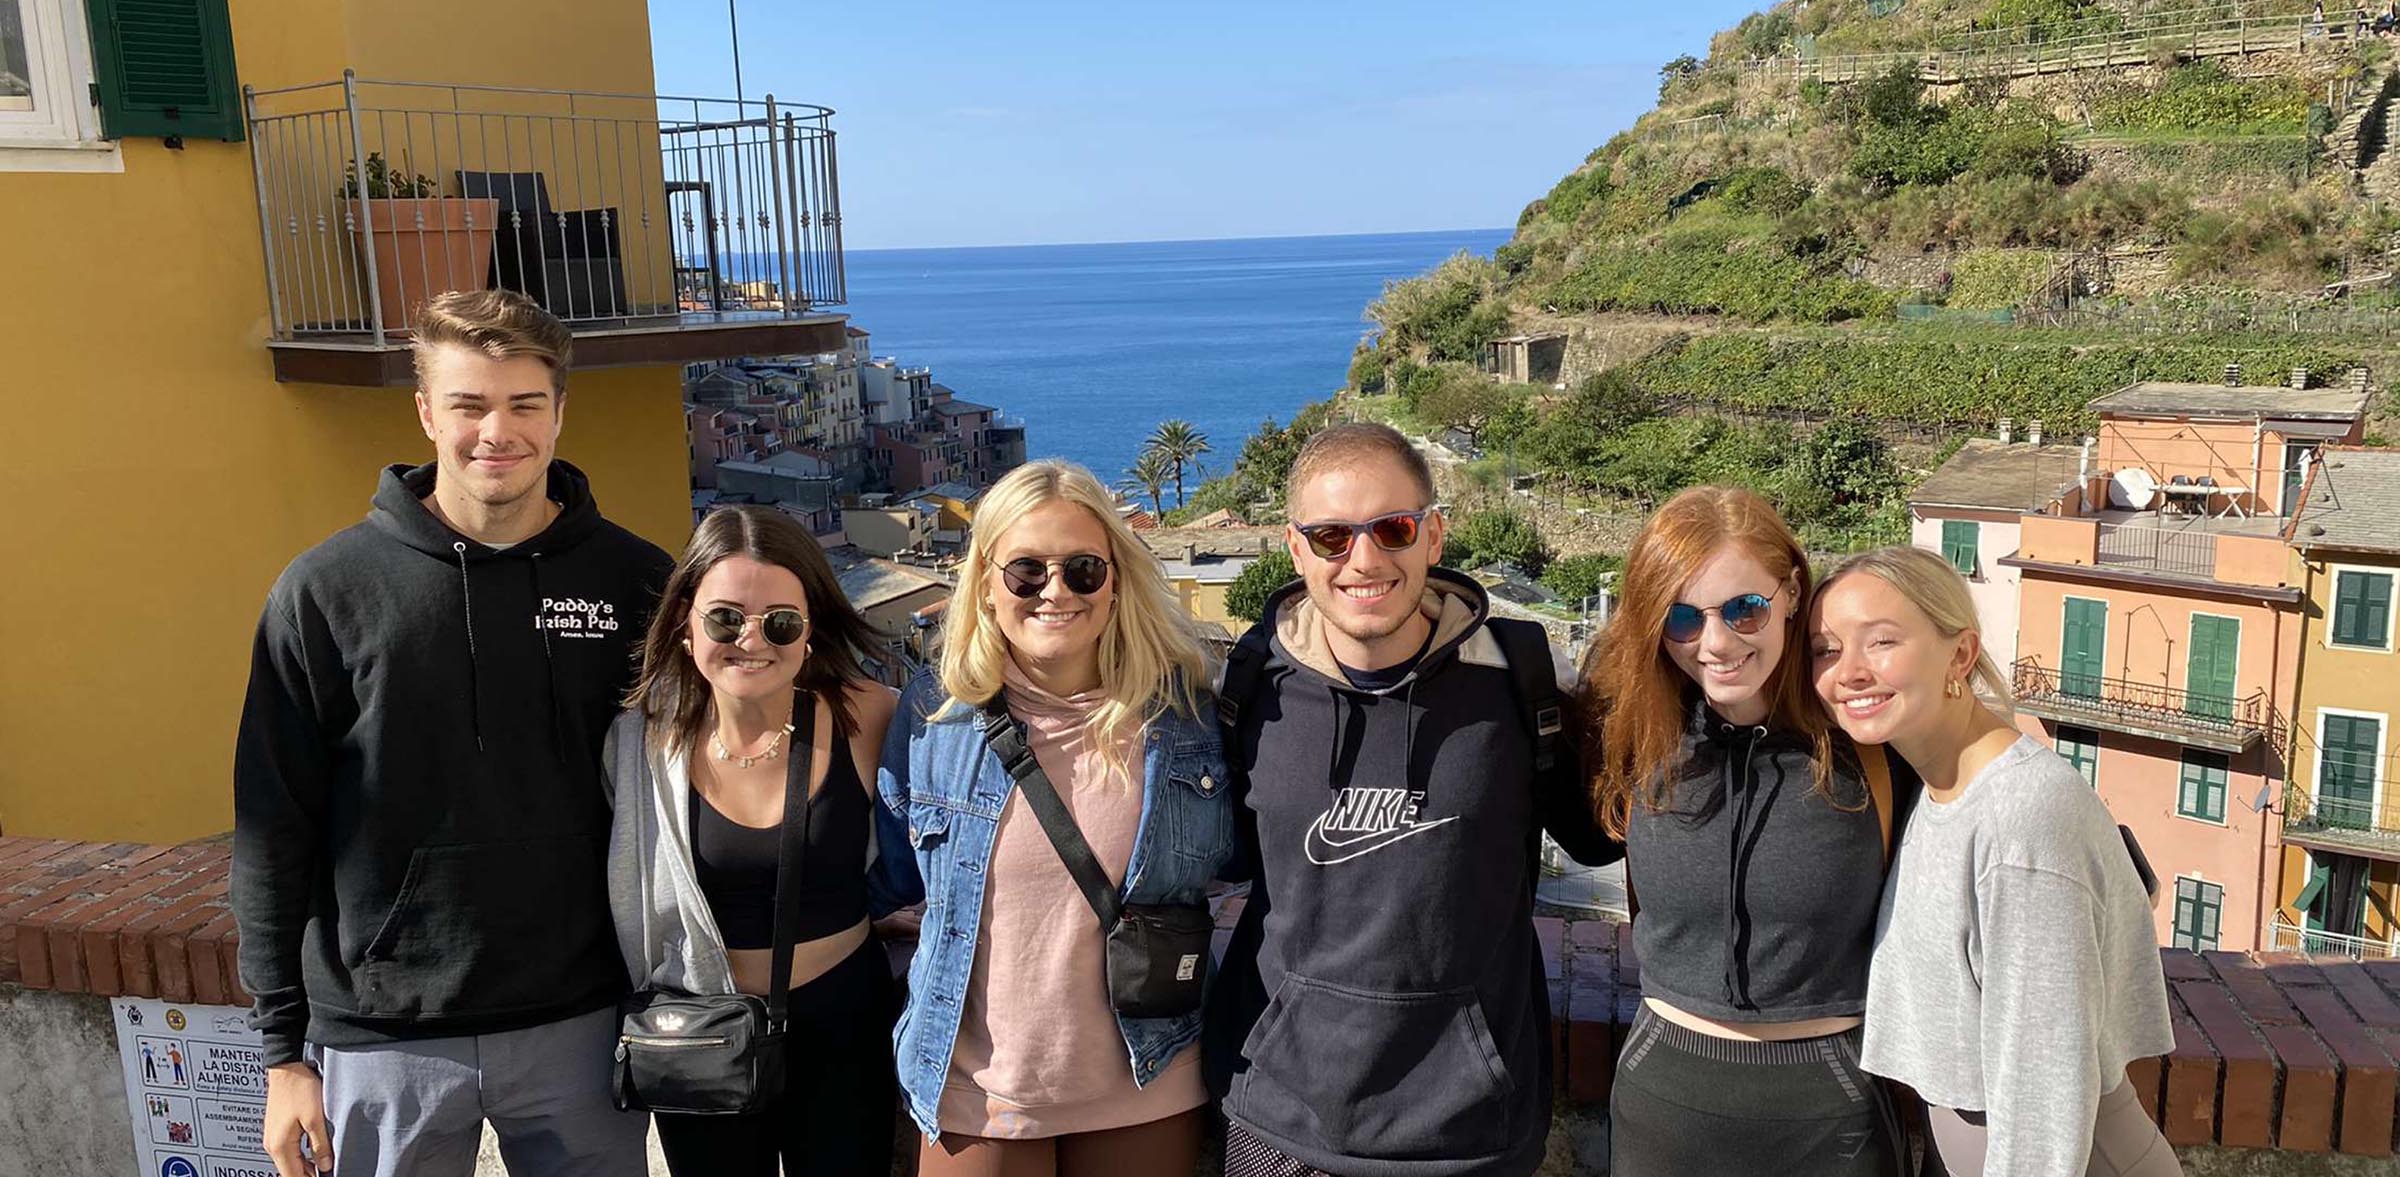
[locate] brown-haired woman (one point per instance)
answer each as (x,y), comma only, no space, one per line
(1754,849)
(752,625)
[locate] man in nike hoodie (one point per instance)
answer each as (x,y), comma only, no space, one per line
(1382,1010)
(420,825)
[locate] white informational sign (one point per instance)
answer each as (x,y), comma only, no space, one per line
(196,1086)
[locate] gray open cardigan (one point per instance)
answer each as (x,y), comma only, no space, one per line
(664,929)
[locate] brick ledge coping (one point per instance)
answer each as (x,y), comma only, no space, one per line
(2272,1050)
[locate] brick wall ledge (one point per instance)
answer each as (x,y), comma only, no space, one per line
(2272,1050)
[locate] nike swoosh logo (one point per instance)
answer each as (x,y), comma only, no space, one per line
(1326,850)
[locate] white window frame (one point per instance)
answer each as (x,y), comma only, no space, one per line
(2383,744)
(62,131)
(2333,589)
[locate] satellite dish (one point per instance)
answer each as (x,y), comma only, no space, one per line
(2133,489)
(2266,793)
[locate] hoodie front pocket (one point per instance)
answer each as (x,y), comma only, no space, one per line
(1379,1076)
(488,927)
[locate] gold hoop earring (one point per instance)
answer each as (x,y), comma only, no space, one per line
(1955,689)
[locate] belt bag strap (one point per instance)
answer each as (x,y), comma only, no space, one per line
(1007,741)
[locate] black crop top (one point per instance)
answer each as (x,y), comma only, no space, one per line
(1758,894)
(736,863)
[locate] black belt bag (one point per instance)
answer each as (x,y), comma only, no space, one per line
(723,1053)
(1158,953)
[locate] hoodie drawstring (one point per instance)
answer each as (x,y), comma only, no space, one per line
(541,621)
(1740,790)
(466,596)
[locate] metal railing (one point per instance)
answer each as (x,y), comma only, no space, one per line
(2184,553)
(2304,810)
(2100,699)
(2287,936)
(609,209)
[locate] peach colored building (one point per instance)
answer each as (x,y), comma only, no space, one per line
(2159,633)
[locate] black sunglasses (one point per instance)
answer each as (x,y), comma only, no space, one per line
(1396,532)
(1745,614)
(1027,576)
(782,627)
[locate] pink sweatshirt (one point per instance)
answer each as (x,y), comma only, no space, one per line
(1038,1052)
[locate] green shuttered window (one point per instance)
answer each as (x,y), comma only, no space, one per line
(2362,608)
(2200,793)
(165,67)
(1959,544)
(2197,908)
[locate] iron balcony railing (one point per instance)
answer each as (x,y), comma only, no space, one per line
(2306,812)
(612,210)
(2287,936)
(2229,721)
(2156,549)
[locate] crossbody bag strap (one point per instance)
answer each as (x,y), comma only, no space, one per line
(1007,741)
(799,764)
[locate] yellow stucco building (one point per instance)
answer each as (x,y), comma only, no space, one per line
(203,376)
(2341,866)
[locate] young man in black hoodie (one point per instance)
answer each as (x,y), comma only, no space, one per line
(420,825)
(1382,1010)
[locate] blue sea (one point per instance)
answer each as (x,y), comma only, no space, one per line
(1091,346)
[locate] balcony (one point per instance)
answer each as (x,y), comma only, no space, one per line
(2229,725)
(2222,556)
(2156,549)
(661,230)
(2354,825)
(2287,936)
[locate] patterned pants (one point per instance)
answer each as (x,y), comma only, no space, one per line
(1248,1156)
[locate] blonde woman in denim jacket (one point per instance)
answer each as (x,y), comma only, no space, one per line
(1011,1055)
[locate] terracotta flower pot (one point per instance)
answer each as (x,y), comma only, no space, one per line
(424,247)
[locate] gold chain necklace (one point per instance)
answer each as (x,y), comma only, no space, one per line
(774,748)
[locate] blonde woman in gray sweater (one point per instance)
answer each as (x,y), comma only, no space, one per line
(2015,971)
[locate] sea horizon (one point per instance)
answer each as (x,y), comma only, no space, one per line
(853,251)
(1092,345)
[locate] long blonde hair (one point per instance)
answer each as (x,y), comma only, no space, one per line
(1938,591)
(1151,656)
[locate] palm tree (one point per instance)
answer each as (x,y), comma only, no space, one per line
(1181,445)
(1151,473)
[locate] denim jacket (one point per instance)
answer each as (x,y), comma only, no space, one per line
(939,774)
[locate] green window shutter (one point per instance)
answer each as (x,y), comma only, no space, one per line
(165,67)
(1959,542)
(2362,608)
(2081,747)
(2200,790)
(2198,907)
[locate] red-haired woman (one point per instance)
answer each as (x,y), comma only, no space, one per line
(1754,848)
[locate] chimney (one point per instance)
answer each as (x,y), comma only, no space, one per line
(2299,377)
(2033,432)
(2358,379)
(2083,465)
(2233,375)
(2008,430)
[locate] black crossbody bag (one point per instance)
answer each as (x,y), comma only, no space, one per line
(1157,952)
(723,1053)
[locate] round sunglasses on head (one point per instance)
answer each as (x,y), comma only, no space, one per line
(781,627)
(1083,575)
(1396,532)
(1745,614)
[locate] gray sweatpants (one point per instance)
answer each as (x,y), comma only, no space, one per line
(416,1109)
(2124,1141)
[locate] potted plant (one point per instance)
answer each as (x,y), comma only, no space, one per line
(424,243)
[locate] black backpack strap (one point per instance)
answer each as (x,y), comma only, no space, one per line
(1245,665)
(1535,680)
(1007,740)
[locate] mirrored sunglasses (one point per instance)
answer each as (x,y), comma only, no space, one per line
(1745,614)
(1396,532)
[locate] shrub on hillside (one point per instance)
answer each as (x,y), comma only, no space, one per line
(1751,280)
(2202,96)
(1575,577)
(1570,437)
(1768,191)
(1575,192)
(1984,279)
(1495,535)
(1246,597)
(1448,311)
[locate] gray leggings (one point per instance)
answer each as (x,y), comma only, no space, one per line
(2124,1141)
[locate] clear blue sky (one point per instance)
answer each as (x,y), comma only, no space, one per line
(1010,123)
